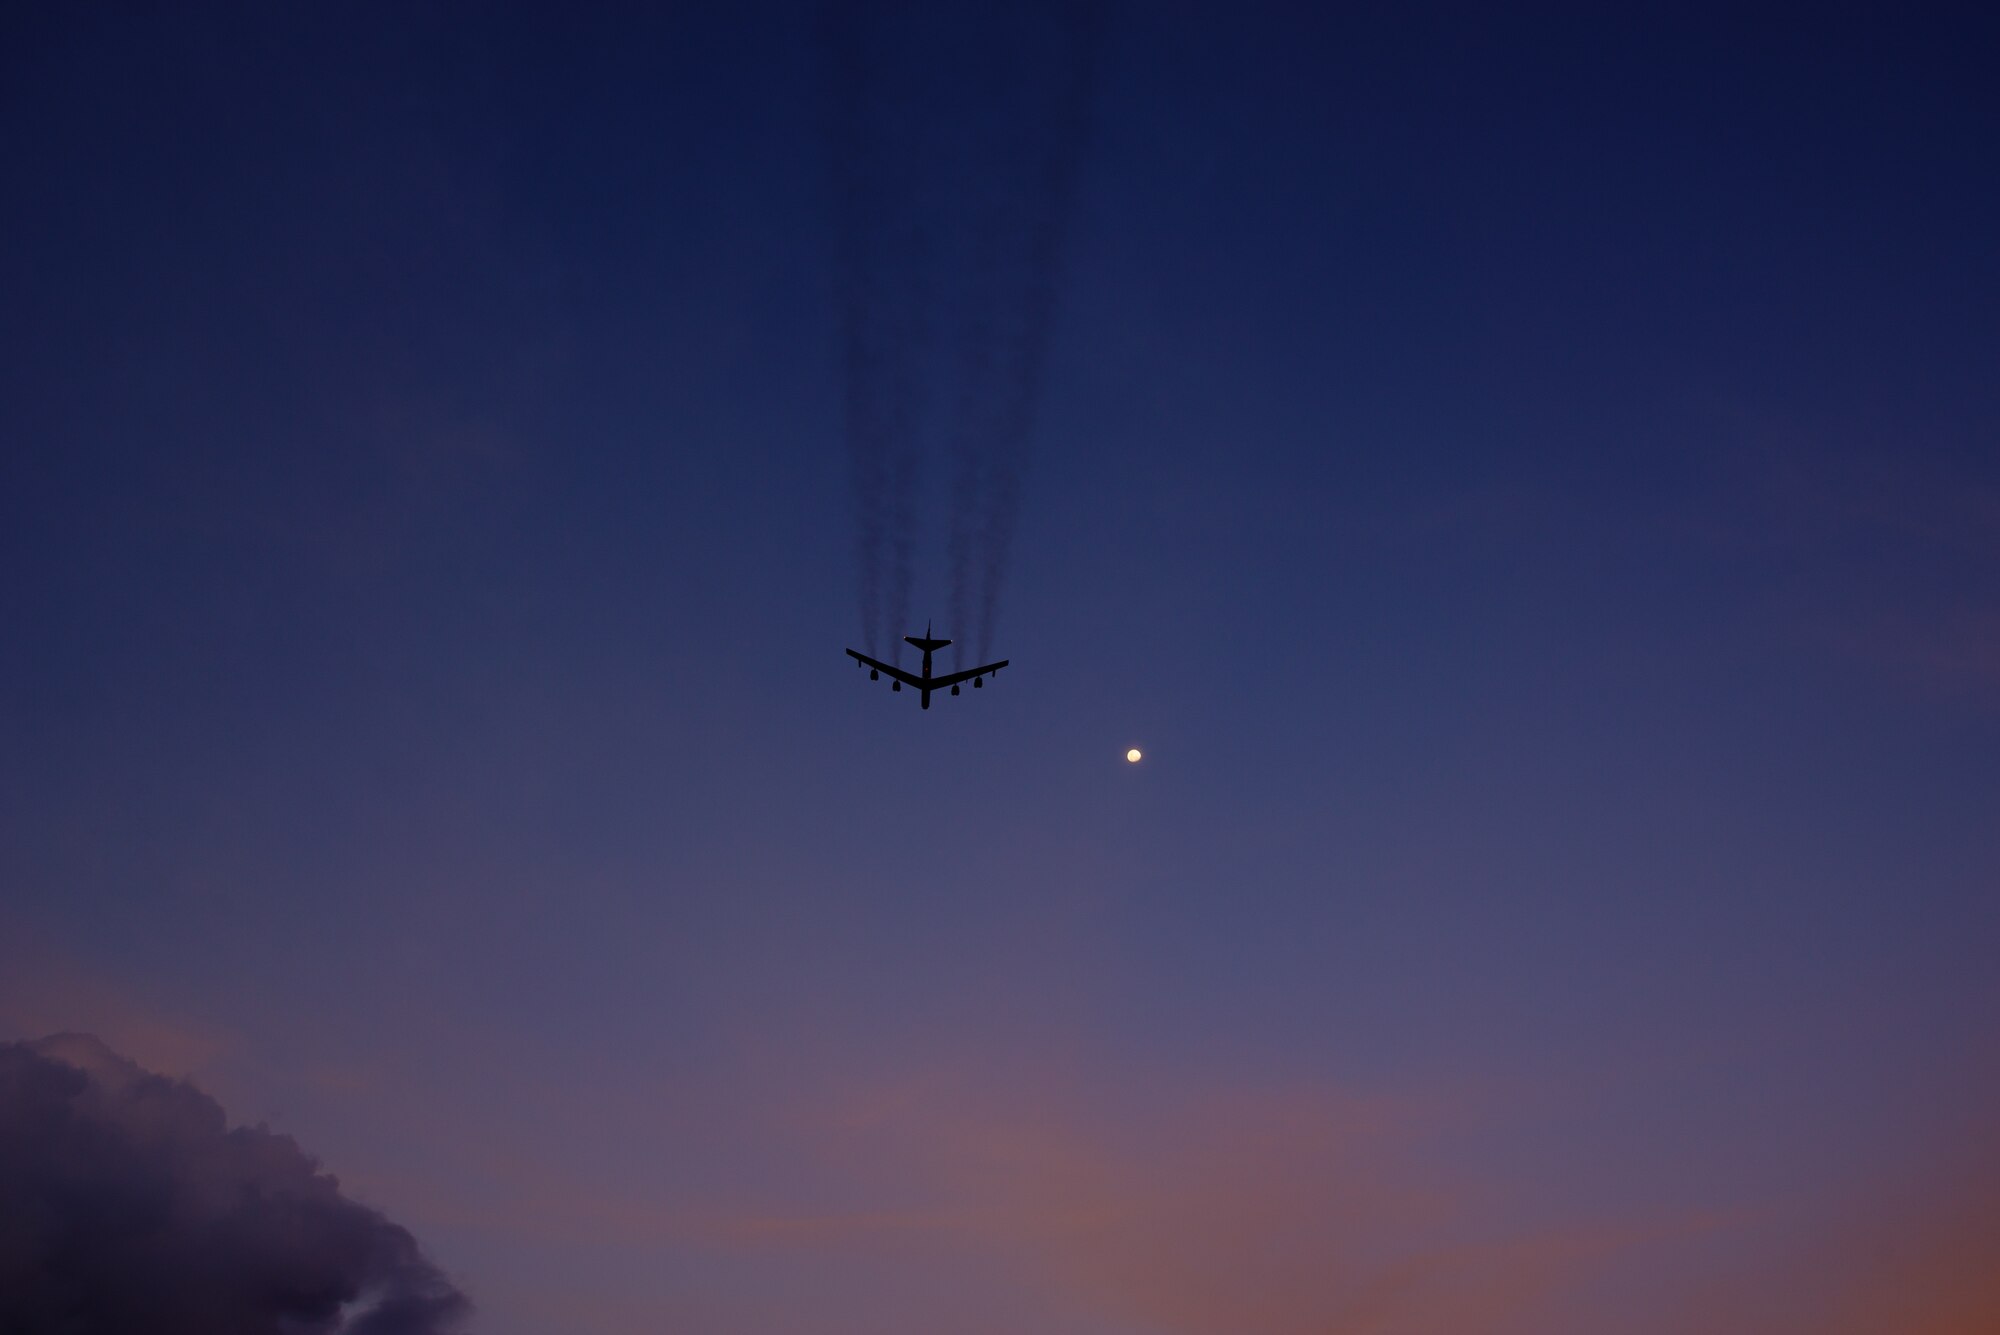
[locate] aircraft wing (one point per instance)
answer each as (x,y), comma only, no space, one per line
(966,675)
(907,678)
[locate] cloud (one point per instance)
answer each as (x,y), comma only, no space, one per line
(1017,1192)
(1918,1253)
(1285,1211)
(1926,1259)
(128,1203)
(1883,556)
(1955,650)
(42,991)
(1281,1211)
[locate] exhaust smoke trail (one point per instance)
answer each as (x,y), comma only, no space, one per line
(956,133)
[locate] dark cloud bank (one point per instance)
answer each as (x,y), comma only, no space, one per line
(128,1204)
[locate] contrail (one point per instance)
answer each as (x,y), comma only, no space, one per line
(956,133)
(1049,90)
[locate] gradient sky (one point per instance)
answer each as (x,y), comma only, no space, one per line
(1529,485)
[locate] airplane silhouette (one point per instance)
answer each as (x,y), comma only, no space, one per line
(926,682)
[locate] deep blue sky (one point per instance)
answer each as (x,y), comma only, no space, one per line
(1528,483)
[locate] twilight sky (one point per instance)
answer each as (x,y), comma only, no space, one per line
(1529,485)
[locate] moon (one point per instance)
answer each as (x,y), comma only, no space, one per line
(1133,755)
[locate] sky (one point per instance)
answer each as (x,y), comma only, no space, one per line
(1526,481)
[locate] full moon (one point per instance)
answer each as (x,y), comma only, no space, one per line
(1133,755)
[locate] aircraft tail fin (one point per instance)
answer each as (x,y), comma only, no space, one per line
(925,642)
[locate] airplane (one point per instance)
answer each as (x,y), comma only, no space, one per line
(926,682)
